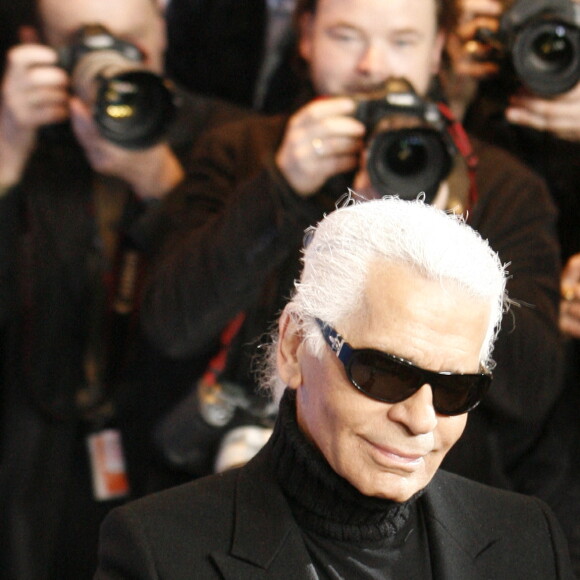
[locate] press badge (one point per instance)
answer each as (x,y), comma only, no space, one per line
(109,473)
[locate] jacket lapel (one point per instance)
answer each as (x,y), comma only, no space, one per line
(266,542)
(457,545)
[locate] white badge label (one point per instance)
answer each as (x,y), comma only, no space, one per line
(108,465)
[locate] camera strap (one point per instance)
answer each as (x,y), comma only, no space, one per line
(461,141)
(217,363)
(215,406)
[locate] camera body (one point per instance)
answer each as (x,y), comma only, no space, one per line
(131,105)
(539,41)
(409,150)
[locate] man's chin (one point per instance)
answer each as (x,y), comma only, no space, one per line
(390,486)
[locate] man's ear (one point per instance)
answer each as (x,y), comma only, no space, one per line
(437,52)
(305,31)
(287,356)
(28,35)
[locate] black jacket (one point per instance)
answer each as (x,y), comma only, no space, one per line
(238,525)
(50,265)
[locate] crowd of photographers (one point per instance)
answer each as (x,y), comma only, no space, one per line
(152,222)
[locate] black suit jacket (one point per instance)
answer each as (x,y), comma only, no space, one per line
(238,525)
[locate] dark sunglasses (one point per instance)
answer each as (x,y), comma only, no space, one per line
(391,379)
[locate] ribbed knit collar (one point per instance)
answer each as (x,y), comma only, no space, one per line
(322,501)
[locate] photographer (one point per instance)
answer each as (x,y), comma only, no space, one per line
(544,131)
(259,184)
(81,173)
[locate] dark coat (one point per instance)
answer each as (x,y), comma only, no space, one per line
(48,303)
(238,525)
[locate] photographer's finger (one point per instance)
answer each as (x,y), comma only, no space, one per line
(520,115)
(477,70)
(46,76)
(569,320)
(473,8)
(565,125)
(559,115)
(469,30)
(571,271)
(324,167)
(323,108)
(82,121)
(306,171)
(48,107)
(38,96)
(339,126)
(39,88)
(332,146)
(24,56)
(344,163)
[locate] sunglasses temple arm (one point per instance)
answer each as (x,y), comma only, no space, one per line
(336,342)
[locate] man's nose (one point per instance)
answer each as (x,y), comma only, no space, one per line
(374,61)
(416,412)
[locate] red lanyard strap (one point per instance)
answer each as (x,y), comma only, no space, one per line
(463,144)
(218,362)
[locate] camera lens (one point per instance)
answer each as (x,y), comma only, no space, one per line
(407,156)
(407,162)
(133,109)
(132,106)
(553,50)
(546,57)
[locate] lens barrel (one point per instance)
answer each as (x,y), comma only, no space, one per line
(541,44)
(132,106)
(133,109)
(546,57)
(406,162)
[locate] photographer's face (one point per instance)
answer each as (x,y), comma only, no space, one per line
(354,45)
(137,21)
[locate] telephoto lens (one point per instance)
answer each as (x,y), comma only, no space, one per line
(542,39)
(406,162)
(132,106)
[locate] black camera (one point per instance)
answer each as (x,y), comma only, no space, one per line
(132,106)
(539,41)
(409,150)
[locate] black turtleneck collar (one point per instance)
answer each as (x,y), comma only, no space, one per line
(322,501)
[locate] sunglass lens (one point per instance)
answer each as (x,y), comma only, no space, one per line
(387,379)
(382,377)
(454,396)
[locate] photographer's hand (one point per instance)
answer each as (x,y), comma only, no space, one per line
(469,58)
(151,173)
(570,302)
(468,53)
(34,93)
(322,139)
(560,115)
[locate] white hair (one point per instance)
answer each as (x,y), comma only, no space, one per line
(344,245)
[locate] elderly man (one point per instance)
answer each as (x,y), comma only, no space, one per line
(384,349)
